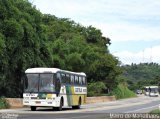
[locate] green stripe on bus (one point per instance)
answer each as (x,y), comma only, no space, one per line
(69,95)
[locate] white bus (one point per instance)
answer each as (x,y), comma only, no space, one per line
(151,91)
(52,87)
(146,90)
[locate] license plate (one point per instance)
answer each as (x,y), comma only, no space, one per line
(38,102)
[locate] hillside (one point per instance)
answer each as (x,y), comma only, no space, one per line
(29,38)
(139,75)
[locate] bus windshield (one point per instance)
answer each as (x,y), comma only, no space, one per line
(154,89)
(39,83)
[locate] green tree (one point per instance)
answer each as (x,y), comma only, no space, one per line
(29,38)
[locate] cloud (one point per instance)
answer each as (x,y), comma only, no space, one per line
(112,9)
(128,32)
(63,8)
(147,55)
(121,20)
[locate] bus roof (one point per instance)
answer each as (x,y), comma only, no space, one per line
(51,70)
(42,70)
(151,87)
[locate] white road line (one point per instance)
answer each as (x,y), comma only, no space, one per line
(142,109)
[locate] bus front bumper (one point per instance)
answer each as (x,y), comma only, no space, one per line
(41,103)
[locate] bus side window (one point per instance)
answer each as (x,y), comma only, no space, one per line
(67,78)
(63,80)
(72,79)
(80,80)
(84,81)
(76,80)
(57,82)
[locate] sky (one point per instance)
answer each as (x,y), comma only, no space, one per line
(132,25)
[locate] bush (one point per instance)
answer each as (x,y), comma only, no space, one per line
(96,88)
(3,103)
(123,92)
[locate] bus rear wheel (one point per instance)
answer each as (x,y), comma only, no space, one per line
(33,108)
(77,106)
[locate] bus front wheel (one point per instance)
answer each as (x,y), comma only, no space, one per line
(60,106)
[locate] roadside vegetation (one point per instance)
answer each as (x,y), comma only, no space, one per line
(122,91)
(96,89)
(156,111)
(99,89)
(3,103)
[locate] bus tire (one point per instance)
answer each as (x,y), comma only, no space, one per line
(77,106)
(60,106)
(33,108)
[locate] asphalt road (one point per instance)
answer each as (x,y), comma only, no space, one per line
(105,110)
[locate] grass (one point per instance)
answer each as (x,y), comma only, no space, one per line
(122,92)
(103,94)
(157,111)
